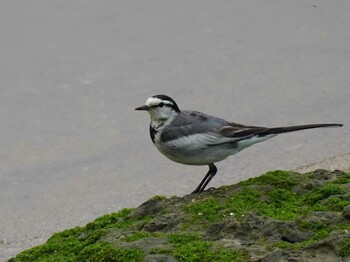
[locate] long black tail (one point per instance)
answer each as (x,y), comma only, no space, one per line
(279,130)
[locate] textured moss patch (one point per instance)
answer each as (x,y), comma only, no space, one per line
(323,193)
(335,203)
(157,197)
(344,179)
(189,247)
(345,250)
(182,238)
(205,210)
(203,251)
(72,244)
(103,251)
(277,201)
(278,178)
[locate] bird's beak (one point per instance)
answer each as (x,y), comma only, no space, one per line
(144,107)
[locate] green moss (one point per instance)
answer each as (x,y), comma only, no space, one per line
(120,220)
(103,251)
(179,239)
(114,219)
(320,230)
(189,247)
(241,202)
(320,234)
(344,179)
(63,246)
(343,226)
(192,251)
(161,251)
(204,210)
(345,250)
(198,251)
(68,244)
(335,203)
(157,197)
(283,205)
(311,225)
(140,235)
(278,178)
(278,203)
(324,192)
(229,255)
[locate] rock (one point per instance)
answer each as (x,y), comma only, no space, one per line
(148,244)
(346,212)
(159,258)
(291,234)
(150,207)
(280,216)
(283,256)
(163,223)
(214,231)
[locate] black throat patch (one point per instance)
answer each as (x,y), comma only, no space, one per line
(152,132)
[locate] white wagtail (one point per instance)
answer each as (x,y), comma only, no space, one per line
(194,138)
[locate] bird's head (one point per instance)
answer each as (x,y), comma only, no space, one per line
(160,107)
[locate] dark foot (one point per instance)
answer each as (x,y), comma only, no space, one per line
(211,173)
(196,191)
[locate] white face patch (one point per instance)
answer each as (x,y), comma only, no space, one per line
(159,113)
(155,101)
(152,101)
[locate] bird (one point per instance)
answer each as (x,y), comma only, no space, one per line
(195,138)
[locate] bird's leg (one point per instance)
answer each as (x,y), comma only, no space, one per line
(211,173)
(212,170)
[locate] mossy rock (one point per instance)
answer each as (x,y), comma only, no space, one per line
(274,217)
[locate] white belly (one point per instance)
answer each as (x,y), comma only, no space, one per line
(201,154)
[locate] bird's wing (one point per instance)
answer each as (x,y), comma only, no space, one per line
(199,130)
(190,123)
(239,131)
(196,141)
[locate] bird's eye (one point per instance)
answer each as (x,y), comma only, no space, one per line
(161,104)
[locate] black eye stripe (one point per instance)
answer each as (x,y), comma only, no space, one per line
(162,104)
(169,105)
(169,102)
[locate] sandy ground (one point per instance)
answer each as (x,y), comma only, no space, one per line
(338,162)
(72,148)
